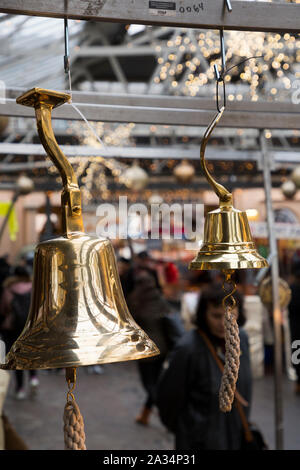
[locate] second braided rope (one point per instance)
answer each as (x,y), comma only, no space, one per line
(232,347)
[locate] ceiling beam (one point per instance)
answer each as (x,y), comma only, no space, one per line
(176,153)
(160,115)
(165,101)
(208,14)
(181,102)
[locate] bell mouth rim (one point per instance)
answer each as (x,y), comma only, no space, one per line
(257,262)
(234,245)
(17,363)
(223,267)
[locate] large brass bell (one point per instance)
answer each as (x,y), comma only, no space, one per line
(78,313)
(227,242)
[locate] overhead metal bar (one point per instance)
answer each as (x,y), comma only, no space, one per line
(164,116)
(208,14)
(156,153)
(114,51)
(166,101)
(191,152)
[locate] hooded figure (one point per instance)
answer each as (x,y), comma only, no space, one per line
(14,309)
(188,390)
(156,317)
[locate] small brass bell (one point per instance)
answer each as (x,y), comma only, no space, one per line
(227,242)
(78,313)
(227,246)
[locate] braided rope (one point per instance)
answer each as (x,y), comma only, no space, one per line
(232,349)
(73,427)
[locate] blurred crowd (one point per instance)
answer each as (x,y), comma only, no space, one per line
(183,381)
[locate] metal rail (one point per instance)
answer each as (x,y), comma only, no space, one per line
(207,14)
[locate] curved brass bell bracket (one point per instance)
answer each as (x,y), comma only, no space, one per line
(44,101)
(224,195)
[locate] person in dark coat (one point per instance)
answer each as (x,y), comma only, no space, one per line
(14,309)
(294,314)
(188,390)
(4,271)
(126,273)
(155,316)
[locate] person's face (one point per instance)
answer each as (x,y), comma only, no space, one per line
(215,319)
(123,268)
(151,264)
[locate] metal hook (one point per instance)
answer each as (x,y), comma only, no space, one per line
(228,4)
(220,76)
(67,52)
(217,95)
(224,195)
(71,376)
(223,52)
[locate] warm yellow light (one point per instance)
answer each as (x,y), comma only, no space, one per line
(268,135)
(252,214)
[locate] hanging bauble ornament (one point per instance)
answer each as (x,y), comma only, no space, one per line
(289,189)
(265,293)
(184,172)
(25,185)
(155,199)
(3,124)
(135,177)
(295,176)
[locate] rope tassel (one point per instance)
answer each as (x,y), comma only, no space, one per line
(232,348)
(74,435)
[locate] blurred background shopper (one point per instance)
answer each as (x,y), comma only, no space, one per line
(294,314)
(14,309)
(187,395)
(156,317)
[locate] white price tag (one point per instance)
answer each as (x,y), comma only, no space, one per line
(162,8)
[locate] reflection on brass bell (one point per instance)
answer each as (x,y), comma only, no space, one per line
(78,313)
(227,240)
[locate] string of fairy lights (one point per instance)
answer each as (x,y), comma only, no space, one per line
(188,64)
(185,66)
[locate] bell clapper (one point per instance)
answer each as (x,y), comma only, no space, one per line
(73,421)
(232,346)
